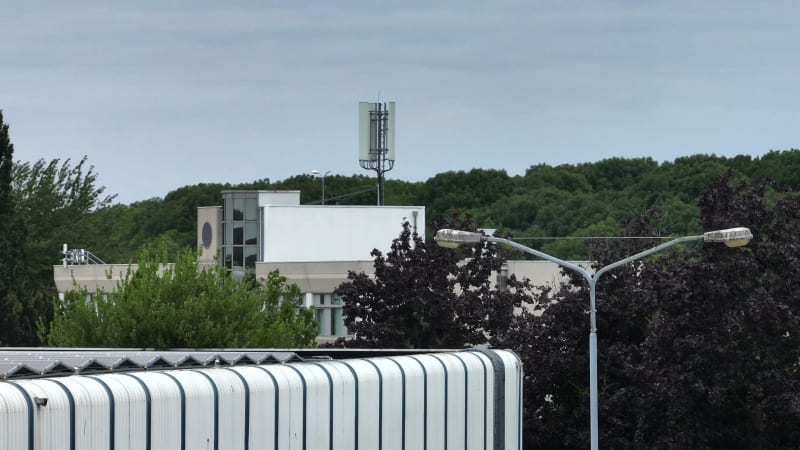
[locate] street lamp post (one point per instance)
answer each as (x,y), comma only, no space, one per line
(316,173)
(733,237)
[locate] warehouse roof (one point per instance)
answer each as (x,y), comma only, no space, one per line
(53,362)
(25,363)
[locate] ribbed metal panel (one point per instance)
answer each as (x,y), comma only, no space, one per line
(165,410)
(90,427)
(131,411)
(368,408)
(265,400)
(513,399)
(14,419)
(452,400)
(52,429)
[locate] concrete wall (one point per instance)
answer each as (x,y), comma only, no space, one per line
(93,277)
(541,273)
(311,277)
(209,233)
(315,277)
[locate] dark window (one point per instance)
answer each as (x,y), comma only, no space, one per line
(240,244)
(228,258)
(228,208)
(251,233)
(250,256)
(238,256)
(251,209)
(238,233)
(238,209)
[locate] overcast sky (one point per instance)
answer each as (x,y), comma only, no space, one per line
(163,94)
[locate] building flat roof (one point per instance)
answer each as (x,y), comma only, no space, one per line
(30,363)
(17,363)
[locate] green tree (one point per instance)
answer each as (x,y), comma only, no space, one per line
(577,248)
(552,201)
(21,301)
(616,174)
(459,191)
(183,306)
(175,218)
(54,200)
(563,177)
(781,166)
(339,189)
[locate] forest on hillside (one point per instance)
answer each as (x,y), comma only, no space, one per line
(46,204)
(547,202)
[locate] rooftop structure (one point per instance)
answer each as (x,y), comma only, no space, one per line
(261,400)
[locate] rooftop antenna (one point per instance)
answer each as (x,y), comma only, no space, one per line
(79,256)
(376,133)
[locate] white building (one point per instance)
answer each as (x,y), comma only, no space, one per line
(313,246)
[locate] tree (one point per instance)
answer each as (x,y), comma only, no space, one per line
(53,202)
(616,173)
(780,166)
(175,217)
(55,199)
(546,202)
(421,296)
(457,191)
(577,249)
(729,346)
(699,347)
(179,306)
(20,303)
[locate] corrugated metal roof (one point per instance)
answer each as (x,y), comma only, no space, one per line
(27,363)
(463,399)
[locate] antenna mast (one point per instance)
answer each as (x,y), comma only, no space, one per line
(376,139)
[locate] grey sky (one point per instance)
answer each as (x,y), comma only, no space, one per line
(162,94)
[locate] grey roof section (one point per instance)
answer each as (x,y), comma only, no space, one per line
(30,363)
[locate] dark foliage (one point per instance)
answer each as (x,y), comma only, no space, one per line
(422,297)
(699,347)
(20,302)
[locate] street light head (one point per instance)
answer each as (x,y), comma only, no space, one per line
(732,237)
(315,173)
(455,238)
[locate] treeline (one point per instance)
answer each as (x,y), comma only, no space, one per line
(572,201)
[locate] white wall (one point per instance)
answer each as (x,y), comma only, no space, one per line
(315,277)
(333,233)
(542,273)
(278,198)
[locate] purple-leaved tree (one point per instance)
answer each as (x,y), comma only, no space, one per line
(424,296)
(699,346)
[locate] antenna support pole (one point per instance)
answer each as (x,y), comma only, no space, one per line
(380,155)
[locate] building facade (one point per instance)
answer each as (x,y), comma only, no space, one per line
(313,246)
